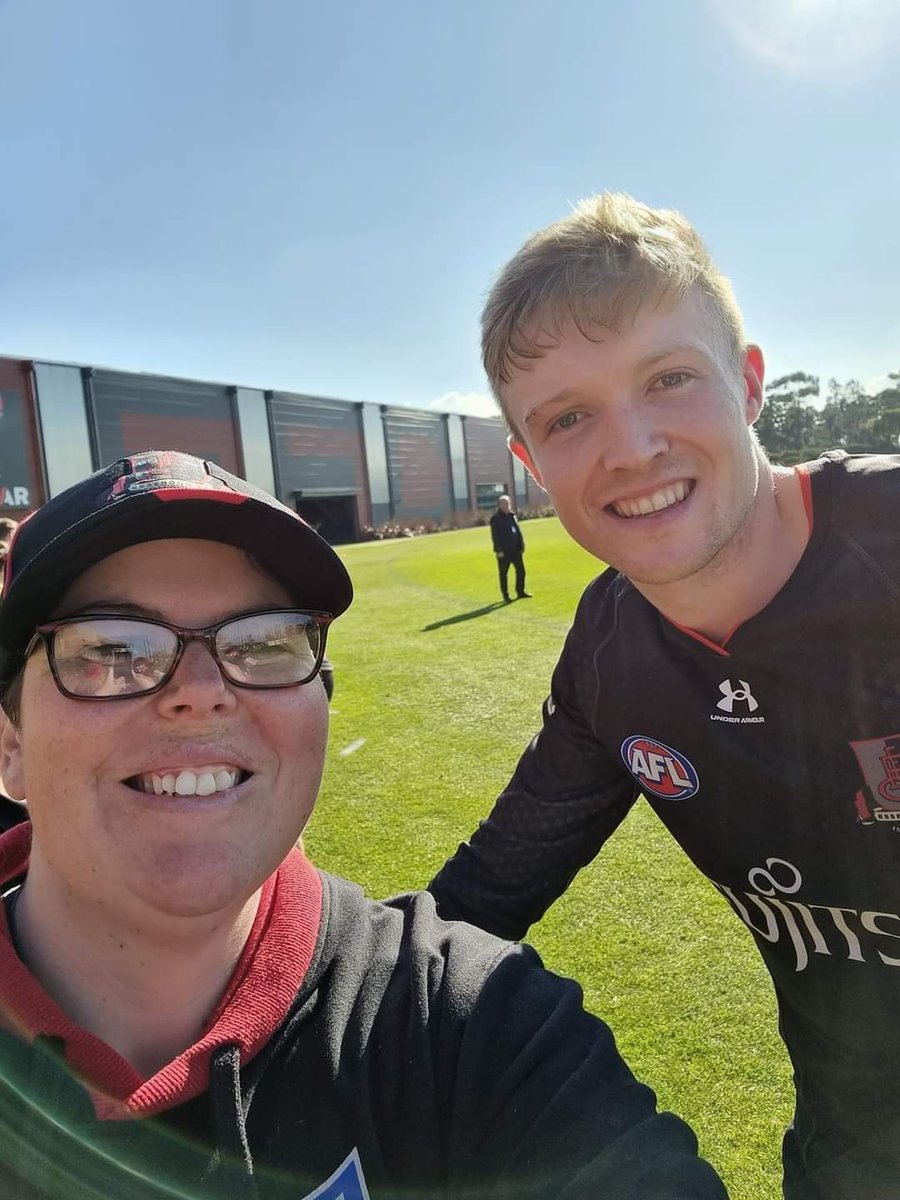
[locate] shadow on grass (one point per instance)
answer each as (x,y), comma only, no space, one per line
(466,616)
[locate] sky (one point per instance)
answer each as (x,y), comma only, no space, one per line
(315,197)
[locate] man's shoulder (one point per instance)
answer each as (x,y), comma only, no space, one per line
(837,469)
(856,493)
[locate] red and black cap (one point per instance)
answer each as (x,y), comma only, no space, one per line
(152,495)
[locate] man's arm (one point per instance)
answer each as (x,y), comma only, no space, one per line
(544,1105)
(564,800)
(495,535)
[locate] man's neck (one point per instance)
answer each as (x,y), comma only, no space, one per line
(750,570)
(149,994)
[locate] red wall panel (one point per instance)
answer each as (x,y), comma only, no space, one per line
(207,437)
(21,477)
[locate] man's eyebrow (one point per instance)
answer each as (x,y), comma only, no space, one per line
(643,364)
(549,402)
(674,348)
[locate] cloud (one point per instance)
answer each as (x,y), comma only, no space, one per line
(470,404)
(814,39)
(879,384)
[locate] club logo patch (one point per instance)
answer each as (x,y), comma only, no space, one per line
(879,798)
(659,769)
(168,470)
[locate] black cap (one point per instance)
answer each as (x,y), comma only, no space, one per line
(152,495)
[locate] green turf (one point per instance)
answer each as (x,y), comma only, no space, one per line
(445,686)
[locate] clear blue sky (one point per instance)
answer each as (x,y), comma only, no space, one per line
(315,196)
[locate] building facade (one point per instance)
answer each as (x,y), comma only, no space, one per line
(344,466)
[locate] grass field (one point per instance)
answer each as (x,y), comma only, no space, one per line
(442,687)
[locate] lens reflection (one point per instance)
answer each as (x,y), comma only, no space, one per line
(269,649)
(107,656)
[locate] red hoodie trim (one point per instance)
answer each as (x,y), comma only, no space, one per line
(262,988)
(806,492)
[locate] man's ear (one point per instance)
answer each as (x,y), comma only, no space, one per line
(12,774)
(521,453)
(753,370)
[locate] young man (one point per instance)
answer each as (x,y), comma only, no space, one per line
(509,547)
(187,1007)
(737,663)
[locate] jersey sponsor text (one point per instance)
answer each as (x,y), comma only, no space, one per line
(833,931)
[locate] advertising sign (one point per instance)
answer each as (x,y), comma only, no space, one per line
(15,490)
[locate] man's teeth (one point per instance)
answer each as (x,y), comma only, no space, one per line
(189,783)
(642,507)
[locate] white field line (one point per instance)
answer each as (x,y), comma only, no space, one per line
(352,747)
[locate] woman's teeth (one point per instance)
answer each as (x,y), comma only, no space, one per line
(204,782)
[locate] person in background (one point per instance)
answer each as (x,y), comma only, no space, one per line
(11,813)
(187,1006)
(737,663)
(7,528)
(509,547)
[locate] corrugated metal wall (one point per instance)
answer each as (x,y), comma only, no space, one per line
(537,497)
(491,462)
(21,477)
(144,412)
(489,459)
(419,463)
(319,449)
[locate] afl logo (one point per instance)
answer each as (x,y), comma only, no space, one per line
(659,769)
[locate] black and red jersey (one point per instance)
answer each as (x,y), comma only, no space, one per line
(774,760)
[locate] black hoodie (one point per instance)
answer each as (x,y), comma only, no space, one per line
(362,1050)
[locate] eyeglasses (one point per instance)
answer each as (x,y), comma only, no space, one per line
(111,658)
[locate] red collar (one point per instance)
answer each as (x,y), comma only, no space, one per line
(262,988)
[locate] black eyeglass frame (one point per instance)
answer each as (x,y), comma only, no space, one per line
(46,634)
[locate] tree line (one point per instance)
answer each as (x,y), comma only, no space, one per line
(792,428)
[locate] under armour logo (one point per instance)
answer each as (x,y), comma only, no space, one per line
(736,695)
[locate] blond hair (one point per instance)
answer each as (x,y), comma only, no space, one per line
(597,267)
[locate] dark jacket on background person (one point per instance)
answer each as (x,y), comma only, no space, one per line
(506,534)
(361,1049)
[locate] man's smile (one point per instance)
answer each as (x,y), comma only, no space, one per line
(654,502)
